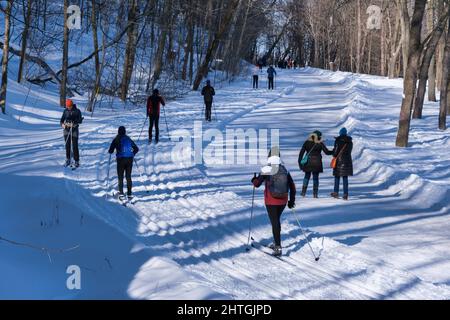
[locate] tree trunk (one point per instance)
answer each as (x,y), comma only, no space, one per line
(212,47)
(164,25)
(358,40)
(5,56)
(445,84)
(415,49)
(95,38)
(130,52)
(24,40)
(65,58)
(405,22)
(425,66)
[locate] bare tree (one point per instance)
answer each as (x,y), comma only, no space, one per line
(5,56)
(409,84)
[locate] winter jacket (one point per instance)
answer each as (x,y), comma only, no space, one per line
(256,71)
(271,72)
(154,103)
(269,200)
(344,163)
(314,147)
(126,148)
(208,93)
(71,117)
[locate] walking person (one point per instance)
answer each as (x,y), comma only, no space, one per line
(255,76)
(154,103)
(271,73)
(208,94)
(279,191)
(126,150)
(310,161)
(70,122)
(342,152)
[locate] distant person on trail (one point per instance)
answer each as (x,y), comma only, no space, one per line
(279,187)
(310,161)
(342,152)
(208,94)
(126,150)
(255,77)
(70,121)
(154,103)
(270,74)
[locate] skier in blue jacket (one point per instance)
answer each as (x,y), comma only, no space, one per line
(126,150)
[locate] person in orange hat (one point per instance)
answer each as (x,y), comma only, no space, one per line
(70,121)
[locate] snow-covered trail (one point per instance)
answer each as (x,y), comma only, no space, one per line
(389,241)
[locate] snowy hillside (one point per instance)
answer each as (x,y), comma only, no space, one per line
(186,237)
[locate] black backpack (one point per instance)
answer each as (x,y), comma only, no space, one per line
(279,184)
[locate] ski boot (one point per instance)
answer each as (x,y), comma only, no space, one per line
(277,252)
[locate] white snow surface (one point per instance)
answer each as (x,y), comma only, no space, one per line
(186,238)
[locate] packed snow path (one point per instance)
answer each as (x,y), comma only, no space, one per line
(390,241)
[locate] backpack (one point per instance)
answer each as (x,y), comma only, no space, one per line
(125,148)
(278,183)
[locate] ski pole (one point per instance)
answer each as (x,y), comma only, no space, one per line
(215,112)
(140,173)
(107,176)
(304,234)
(251,216)
(167,126)
(142,129)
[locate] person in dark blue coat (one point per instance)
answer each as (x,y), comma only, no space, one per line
(126,149)
(343,147)
(271,73)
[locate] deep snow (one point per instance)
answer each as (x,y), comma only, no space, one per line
(186,238)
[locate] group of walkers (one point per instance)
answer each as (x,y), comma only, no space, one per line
(280,189)
(271,73)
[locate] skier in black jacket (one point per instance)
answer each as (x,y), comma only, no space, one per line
(126,150)
(208,94)
(312,147)
(70,121)
(343,147)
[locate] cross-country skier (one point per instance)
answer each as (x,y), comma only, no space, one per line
(343,147)
(270,75)
(312,149)
(126,149)
(279,187)
(154,103)
(70,121)
(208,94)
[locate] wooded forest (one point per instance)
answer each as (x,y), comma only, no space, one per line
(125,49)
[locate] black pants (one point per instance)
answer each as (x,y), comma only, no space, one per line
(208,108)
(125,166)
(71,140)
(255,82)
(270,83)
(315,181)
(275,213)
(154,121)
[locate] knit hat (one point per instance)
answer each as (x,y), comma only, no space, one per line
(122,130)
(155,91)
(318,134)
(343,132)
(69,103)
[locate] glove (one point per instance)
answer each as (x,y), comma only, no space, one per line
(291,204)
(254,178)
